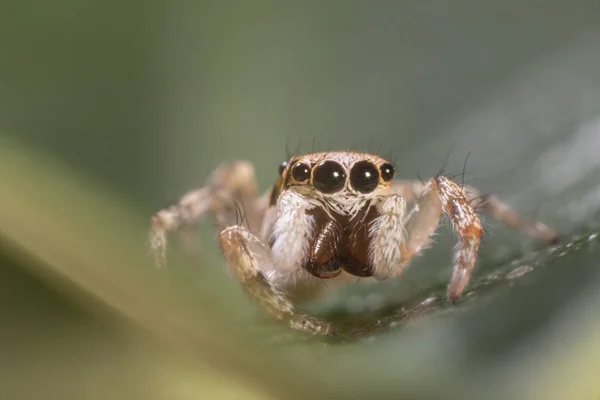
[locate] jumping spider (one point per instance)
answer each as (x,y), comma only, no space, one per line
(332,216)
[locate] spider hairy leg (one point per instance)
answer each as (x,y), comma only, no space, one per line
(176,217)
(412,191)
(466,223)
(230,185)
(442,195)
(459,204)
(251,263)
(421,223)
(501,211)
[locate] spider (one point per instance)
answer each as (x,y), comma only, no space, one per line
(331,216)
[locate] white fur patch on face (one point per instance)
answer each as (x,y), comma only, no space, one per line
(387,233)
(292,231)
(346,202)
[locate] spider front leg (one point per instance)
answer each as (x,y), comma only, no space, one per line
(441,194)
(270,275)
(413,190)
(229,186)
(252,264)
(465,222)
(399,235)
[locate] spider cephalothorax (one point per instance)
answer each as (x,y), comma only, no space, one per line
(341,193)
(332,215)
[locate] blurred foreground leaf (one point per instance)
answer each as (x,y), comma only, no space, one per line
(92,248)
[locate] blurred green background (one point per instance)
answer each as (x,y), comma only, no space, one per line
(110,111)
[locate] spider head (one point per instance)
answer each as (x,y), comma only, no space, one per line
(342,182)
(324,212)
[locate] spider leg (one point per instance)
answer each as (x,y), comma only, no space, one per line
(230,187)
(412,190)
(436,196)
(466,223)
(503,212)
(252,264)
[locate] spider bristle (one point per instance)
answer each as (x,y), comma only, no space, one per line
(464,169)
(420,179)
(238,212)
(478,201)
(369,148)
(241,214)
(288,153)
(379,148)
(442,170)
(245,216)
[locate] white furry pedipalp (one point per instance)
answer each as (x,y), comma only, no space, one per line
(291,234)
(387,234)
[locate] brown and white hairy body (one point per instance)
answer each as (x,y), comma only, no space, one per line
(332,216)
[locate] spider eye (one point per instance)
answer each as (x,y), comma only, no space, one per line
(282,167)
(364,176)
(387,172)
(329,177)
(301,172)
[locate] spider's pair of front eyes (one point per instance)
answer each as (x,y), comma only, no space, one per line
(329,176)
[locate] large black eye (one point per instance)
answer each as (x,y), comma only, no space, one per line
(387,172)
(301,172)
(364,176)
(282,167)
(329,177)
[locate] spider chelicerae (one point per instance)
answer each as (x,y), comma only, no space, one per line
(332,216)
